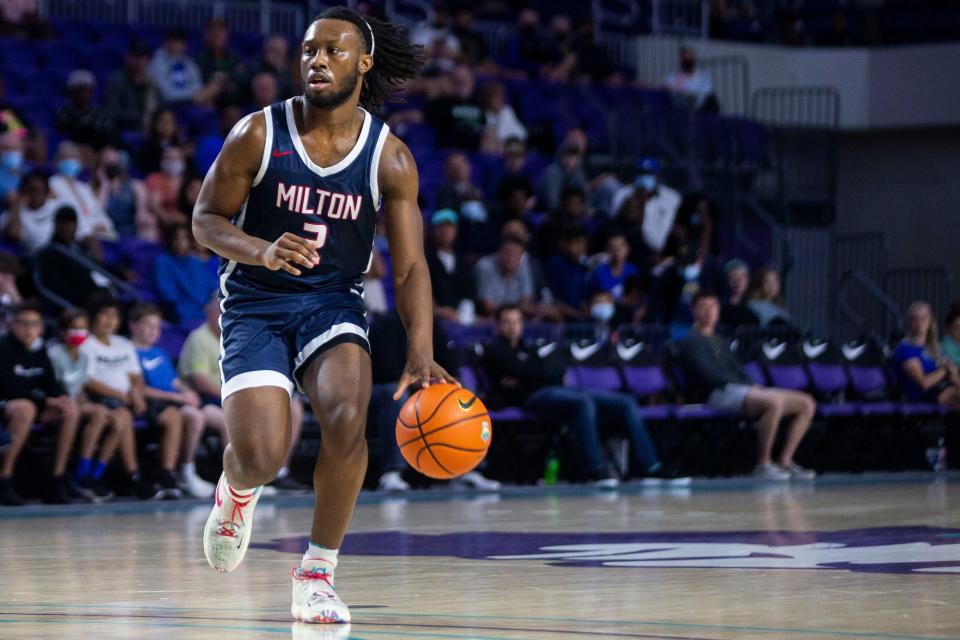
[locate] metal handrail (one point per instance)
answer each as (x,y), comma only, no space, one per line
(80,261)
(813,107)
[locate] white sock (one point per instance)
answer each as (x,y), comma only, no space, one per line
(283,472)
(188,468)
(319,559)
(231,497)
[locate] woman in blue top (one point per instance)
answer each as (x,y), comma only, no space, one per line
(925,375)
(183,281)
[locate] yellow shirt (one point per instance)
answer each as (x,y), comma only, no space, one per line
(200,354)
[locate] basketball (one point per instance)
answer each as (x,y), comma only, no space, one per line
(444,431)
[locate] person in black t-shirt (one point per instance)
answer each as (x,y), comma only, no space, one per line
(457,116)
(31,393)
(735,311)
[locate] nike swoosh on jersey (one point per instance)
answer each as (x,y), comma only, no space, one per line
(279,154)
(152,363)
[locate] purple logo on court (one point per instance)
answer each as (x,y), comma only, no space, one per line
(917,550)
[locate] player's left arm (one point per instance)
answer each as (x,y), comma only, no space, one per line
(400,185)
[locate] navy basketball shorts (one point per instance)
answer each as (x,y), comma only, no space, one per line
(268,340)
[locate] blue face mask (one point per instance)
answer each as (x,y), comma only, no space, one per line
(12,160)
(647,182)
(602,311)
(69,167)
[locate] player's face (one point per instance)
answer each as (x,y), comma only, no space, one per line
(332,59)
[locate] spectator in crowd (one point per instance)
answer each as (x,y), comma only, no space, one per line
(592,62)
(612,274)
(766,300)
(502,121)
(114,379)
(529,47)
(63,264)
(632,307)
(187,198)
(522,374)
(512,171)
(163,188)
(660,204)
(199,367)
(174,73)
(735,311)
(567,272)
(11,166)
(264,90)
(183,281)
(508,277)
(92,220)
(515,198)
(81,120)
(602,311)
(572,211)
(22,20)
(456,114)
(950,345)
(389,340)
(452,284)
(169,400)
(209,145)
(925,375)
(31,393)
(473,49)
(123,197)
(130,95)
(715,377)
(692,88)
(29,221)
(565,172)
(14,120)
(275,60)
(9,291)
(216,57)
(71,366)
(163,132)
(458,192)
(441,47)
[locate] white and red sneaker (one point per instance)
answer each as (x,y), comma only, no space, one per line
(227,532)
(315,599)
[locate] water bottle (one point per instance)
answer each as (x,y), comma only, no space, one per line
(941,463)
(552,470)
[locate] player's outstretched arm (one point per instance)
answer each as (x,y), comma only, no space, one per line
(224,190)
(400,185)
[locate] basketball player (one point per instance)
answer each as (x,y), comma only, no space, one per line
(302,182)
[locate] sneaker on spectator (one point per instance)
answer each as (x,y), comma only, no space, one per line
(192,484)
(285,482)
(606,478)
(79,493)
(663,475)
(100,489)
(799,473)
(392,481)
(169,490)
(143,489)
(476,480)
(771,471)
(8,495)
(58,492)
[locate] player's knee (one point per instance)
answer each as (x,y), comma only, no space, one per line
(344,426)
(260,459)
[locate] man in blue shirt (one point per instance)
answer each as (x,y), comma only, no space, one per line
(172,405)
(612,275)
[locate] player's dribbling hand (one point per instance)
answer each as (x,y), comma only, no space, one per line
(290,251)
(421,370)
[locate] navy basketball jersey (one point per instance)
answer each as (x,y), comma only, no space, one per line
(335,206)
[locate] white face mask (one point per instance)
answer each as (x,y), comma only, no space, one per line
(602,311)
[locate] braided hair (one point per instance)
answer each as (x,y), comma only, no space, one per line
(395,59)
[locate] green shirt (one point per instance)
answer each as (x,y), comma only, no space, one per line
(951,349)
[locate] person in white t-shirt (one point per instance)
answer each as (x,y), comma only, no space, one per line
(661,203)
(92,218)
(115,380)
(29,221)
(691,87)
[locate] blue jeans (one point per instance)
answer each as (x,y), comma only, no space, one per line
(384,411)
(584,411)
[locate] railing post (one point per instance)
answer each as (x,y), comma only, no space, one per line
(264,17)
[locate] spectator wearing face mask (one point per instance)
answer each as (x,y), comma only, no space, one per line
(123,198)
(163,188)
(92,219)
(691,87)
(11,166)
(660,203)
(602,311)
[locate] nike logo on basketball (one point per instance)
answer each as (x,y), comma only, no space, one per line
(466,405)
(279,154)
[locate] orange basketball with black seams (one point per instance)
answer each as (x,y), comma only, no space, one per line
(444,431)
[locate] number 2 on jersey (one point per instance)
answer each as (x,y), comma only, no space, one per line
(317,233)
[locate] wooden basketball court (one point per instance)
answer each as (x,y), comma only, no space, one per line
(846,558)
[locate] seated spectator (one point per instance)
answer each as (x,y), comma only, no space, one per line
(174,73)
(264,90)
(632,307)
(572,211)
(458,192)
(29,221)
(92,220)
(183,281)
(950,345)
(170,401)
(766,300)
(30,393)
(81,120)
(592,61)
(511,172)
(199,367)
(716,378)
(529,47)
(100,424)
(453,290)
(523,375)
(389,339)
(514,198)
(736,312)
(602,311)
(473,49)
(456,115)
(163,188)
(660,204)
(275,60)
(565,173)
(567,273)
(692,87)
(14,120)
(216,57)
(60,263)
(209,145)
(130,95)
(508,277)
(11,166)
(502,121)
(441,48)
(926,376)
(163,132)
(9,291)
(611,275)
(114,380)
(123,198)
